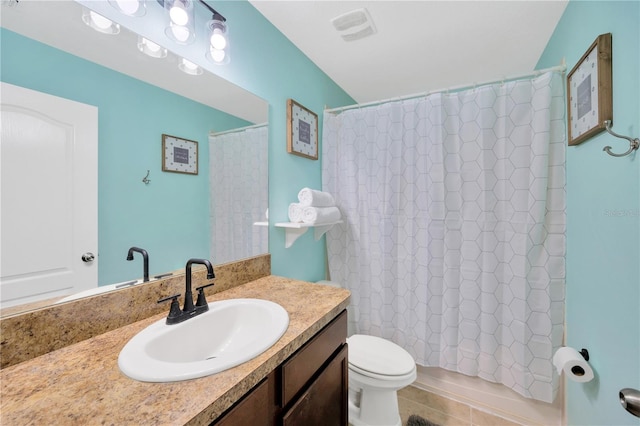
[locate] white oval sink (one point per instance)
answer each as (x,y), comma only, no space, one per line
(229,333)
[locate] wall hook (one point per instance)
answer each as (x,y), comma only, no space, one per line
(146,179)
(634,143)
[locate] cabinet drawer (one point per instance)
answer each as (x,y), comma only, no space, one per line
(325,401)
(298,370)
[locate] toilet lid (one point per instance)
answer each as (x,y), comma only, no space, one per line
(379,356)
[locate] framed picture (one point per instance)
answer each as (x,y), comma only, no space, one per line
(179,155)
(589,87)
(302,131)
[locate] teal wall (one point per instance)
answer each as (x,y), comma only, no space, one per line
(603,219)
(266,63)
(170,216)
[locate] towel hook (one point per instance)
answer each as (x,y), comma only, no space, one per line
(634,143)
(146,179)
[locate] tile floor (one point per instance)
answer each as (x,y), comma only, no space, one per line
(444,411)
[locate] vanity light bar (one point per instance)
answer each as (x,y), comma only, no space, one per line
(179,28)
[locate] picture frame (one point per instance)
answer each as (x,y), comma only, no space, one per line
(589,91)
(179,155)
(302,131)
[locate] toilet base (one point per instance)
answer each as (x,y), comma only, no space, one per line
(373,406)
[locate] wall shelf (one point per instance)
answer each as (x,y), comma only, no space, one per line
(292,231)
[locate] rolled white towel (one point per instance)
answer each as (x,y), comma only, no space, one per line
(295,212)
(320,215)
(315,198)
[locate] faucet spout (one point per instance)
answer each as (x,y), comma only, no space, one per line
(145,258)
(189,310)
(188,295)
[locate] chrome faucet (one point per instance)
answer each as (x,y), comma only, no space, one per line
(145,258)
(176,315)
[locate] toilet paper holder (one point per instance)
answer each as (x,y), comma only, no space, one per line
(630,400)
(585,354)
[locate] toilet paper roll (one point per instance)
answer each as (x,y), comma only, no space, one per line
(573,364)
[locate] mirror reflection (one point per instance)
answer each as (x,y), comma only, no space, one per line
(219,214)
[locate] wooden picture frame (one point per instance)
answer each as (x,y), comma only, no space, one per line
(302,131)
(179,155)
(589,91)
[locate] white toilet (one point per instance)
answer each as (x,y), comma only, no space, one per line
(378,368)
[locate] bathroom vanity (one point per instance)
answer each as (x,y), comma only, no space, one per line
(310,388)
(301,380)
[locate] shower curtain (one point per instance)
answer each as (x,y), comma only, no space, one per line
(453,240)
(238,181)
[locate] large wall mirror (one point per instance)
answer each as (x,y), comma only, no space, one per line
(220,213)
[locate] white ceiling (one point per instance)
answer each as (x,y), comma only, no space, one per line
(419,46)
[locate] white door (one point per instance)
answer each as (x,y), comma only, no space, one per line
(48,206)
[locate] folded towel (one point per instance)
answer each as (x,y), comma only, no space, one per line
(295,212)
(320,215)
(314,198)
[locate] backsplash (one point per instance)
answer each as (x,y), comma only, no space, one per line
(31,334)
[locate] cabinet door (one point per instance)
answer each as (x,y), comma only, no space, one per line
(257,408)
(301,367)
(325,401)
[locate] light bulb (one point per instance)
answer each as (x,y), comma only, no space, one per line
(100,21)
(150,45)
(179,15)
(129,7)
(218,39)
(189,67)
(150,48)
(188,64)
(181,34)
(217,55)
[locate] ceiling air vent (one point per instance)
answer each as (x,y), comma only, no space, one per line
(354,25)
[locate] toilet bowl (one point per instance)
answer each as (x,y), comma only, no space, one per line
(378,368)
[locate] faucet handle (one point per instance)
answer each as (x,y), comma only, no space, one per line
(174,310)
(202,299)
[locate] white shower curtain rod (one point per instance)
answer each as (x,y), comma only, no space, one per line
(239,129)
(562,68)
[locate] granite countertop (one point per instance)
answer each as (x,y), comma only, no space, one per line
(82,384)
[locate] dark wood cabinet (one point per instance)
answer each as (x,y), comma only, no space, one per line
(310,388)
(325,401)
(256,408)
